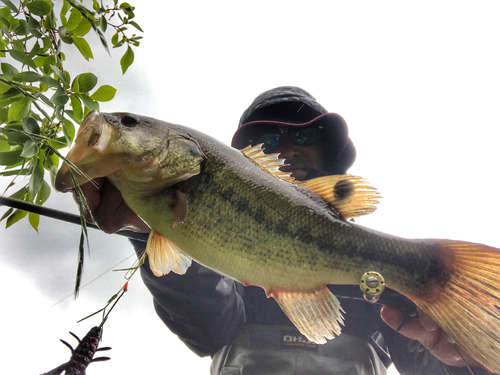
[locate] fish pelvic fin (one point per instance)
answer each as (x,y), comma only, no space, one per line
(164,256)
(468,308)
(269,163)
(316,314)
(352,196)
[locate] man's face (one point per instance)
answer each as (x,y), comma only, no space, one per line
(303,148)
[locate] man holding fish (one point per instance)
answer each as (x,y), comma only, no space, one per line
(243,330)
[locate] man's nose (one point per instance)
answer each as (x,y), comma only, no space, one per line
(288,149)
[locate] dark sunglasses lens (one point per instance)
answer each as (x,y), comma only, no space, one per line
(306,136)
(271,142)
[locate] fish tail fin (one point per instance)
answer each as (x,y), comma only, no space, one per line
(468,308)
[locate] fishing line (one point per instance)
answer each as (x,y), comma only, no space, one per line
(90,282)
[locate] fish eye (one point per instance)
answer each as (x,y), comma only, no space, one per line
(129,120)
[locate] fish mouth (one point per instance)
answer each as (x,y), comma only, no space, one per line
(94,135)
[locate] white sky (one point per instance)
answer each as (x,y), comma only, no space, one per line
(417,83)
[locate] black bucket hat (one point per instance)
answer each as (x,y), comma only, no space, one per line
(292,106)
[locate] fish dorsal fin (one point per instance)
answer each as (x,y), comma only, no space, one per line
(270,163)
(352,196)
(316,314)
(164,256)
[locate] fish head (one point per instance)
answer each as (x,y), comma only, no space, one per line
(136,153)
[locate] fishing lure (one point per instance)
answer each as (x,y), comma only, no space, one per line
(83,355)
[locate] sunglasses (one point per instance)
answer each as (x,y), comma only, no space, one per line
(273,138)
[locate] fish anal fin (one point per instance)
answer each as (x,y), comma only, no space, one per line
(164,256)
(352,196)
(316,314)
(269,163)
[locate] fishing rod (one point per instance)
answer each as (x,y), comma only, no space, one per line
(63,216)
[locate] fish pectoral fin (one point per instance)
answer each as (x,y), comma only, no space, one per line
(352,196)
(179,207)
(316,314)
(269,163)
(164,256)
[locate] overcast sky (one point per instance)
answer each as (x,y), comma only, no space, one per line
(417,83)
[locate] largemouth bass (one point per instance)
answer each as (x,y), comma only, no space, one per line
(237,214)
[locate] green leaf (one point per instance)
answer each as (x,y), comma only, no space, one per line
(114,39)
(34,27)
(6,214)
(20,193)
(74,19)
(46,44)
(15,217)
(48,63)
(103,23)
(15,172)
(133,23)
(77,108)
(40,7)
(27,77)
(22,58)
(59,98)
(11,93)
(68,131)
(6,18)
(22,28)
(11,6)
(10,157)
(34,220)
(105,93)
(34,51)
(45,100)
(30,126)
(127,59)
(19,109)
(4,87)
(83,28)
(36,179)
(83,47)
(4,115)
(43,194)
(53,174)
(64,35)
(49,81)
(3,47)
(30,149)
(64,9)
(8,69)
(89,103)
(59,73)
(15,135)
(84,82)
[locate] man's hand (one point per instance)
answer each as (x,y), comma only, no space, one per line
(108,208)
(430,335)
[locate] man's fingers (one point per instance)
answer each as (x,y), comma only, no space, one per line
(428,323)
